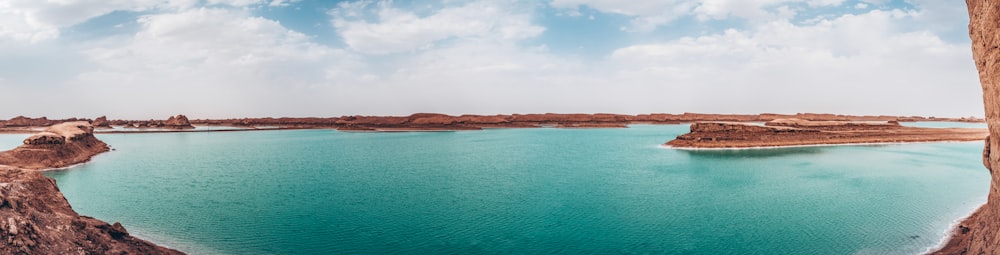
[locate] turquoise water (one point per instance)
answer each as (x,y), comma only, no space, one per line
(940,124)
(522,191)
(9,141)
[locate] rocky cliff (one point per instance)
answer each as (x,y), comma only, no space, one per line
(35,218)
(980,233)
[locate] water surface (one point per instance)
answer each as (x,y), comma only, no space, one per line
(522,191)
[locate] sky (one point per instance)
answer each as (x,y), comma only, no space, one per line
(143,59)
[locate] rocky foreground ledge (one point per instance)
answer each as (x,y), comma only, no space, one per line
(796,132)
(35,218)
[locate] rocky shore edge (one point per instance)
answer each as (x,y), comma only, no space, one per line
(978,234)
(35,217)
(798,132)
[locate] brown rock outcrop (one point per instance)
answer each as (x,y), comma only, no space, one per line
(833,125)
(980,233)
(60,145)
(101,122)
(177,122)
(786,132)
(435,122)
(45,138)
(21,121)
(35,218)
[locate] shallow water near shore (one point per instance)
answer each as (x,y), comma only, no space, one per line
(522,191)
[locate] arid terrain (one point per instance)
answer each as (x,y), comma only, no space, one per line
(796,132)
(37,219)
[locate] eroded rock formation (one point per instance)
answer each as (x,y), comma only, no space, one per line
(177,122)
(101,122)
(980,233)
(60,145)
(21,121)
(791,132)
(35,218)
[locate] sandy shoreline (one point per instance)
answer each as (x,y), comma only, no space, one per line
(953,233)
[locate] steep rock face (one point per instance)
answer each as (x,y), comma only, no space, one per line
(980,234)
(35,218)
(60,145)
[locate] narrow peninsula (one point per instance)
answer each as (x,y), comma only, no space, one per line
(35,218)
(798,132)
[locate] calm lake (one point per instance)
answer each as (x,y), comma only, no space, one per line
(521,191)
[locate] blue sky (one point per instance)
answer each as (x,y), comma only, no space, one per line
(233,58)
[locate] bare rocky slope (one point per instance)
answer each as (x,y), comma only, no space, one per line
(35,218)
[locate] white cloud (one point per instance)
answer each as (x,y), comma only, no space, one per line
(482,57)
(649,14)
(32,20)
(750,9)
(835,65)
(398,30)
(35,20)
(224,59)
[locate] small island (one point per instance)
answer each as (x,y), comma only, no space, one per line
(798,132)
